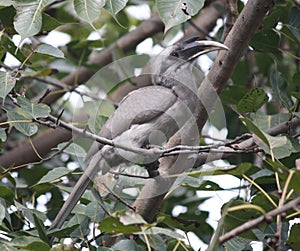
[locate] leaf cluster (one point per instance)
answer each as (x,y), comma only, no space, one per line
(263,92)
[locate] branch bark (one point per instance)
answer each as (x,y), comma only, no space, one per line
(24,152)
(152,194)
(294,204)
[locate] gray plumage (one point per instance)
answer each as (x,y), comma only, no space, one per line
(163,107)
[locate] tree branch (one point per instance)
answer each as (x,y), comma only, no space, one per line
(248,143)
(253,223)
(152,194)
(25,154)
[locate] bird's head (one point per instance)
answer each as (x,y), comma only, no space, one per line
(178,57)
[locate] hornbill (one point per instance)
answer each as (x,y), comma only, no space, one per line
(145,115)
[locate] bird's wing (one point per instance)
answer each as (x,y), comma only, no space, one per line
(138,107)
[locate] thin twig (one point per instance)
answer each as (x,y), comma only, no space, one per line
(232,14)
(230,147)
(118,198)
(130,175)
(62,86)
(207,36)
(195,149)
(46,93)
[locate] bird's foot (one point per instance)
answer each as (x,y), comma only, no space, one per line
(152,168)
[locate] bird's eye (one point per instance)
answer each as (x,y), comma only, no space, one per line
(174,54)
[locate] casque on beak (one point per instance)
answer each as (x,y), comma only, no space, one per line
(194,48)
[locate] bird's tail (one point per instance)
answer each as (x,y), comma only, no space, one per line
(79,188)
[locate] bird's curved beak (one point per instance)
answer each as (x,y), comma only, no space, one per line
(194,49)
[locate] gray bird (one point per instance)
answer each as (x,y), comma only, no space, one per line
(149,115)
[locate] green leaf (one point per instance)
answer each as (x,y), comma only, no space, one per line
(130,218)
(233,93)
(239,77)
(21,120)
(122,222)
(40,228)
(82,229)
(112,224)
(7,18)
(49,22)
(30,243)
(265,122)
(279,87)
(6,193)
(237,170)
(63,232)
(278,14)
(98,113)
(45,72)
(264,62)
(94,211)
(294,184)
(294,240)
(54,174)
(178,223)
(279,146)
(28,20)
(295,145)
(3,134)
(296,81)
(297,114)
(259,199)
(9,46)
(294,22)
(265,41)
(196,183)
(159,230)
(253,128)
(73,149)
(238,243)
(124,245)
(236,218)
(115,6)
(170,11)
(7,83)
(49,50)
(2,213)
(28,213)
(253,100)
(88,10)
(36,110)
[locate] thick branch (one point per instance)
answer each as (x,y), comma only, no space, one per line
(250,19)
(25,154)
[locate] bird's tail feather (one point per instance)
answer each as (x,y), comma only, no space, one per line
(79,188)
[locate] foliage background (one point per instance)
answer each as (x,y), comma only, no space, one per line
(37,166)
